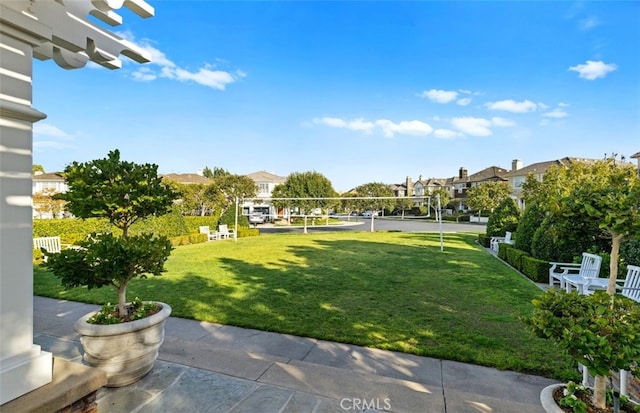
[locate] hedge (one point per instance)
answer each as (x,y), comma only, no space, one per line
(535,269)
(484,240)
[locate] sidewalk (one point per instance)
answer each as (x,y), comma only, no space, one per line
(205,367)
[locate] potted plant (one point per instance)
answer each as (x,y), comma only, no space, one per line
(121,339)
(599,331)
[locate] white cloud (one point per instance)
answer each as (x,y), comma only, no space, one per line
(388,128)
(501,122)
(464,101)
(412,127)
(45,129)
(445,133)
(440,96)
(356,124)
(472,126)
(556,113)
(592,70)
(563,105)
(510,105)
(589,23)
(207,75)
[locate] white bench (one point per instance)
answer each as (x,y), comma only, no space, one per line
(50,244)
(495,241)
(211,235)
(575,274)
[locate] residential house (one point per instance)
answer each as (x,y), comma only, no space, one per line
(426,186)
(463,182)
(52,182)
(637,156)
(518,174)
(187,179)
(47,184)
(266,182)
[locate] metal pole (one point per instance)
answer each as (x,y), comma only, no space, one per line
(440,221)
(235,232)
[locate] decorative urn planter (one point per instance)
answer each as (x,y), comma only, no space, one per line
(125,351)
(546,399)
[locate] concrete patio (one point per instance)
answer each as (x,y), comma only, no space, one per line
(205,367)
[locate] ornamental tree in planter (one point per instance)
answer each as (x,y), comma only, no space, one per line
(124,193)
(599,331)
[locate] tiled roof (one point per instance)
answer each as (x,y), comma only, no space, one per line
(636,155)
(51,176)
(264,176)
(187,178)
(483,175)
(542,167)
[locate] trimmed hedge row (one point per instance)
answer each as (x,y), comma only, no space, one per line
(535,269)
(181,230)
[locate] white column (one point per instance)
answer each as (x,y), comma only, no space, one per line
(23,366)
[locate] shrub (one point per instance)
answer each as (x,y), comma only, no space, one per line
(169,225)
(228,218)
(502,250)
(515,256)
(194,223)
(530,221)
(484,240)
(504,218)
(189,239)
(630,252)
(248,232)
(535,269)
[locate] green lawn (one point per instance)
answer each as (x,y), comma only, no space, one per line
(389,290)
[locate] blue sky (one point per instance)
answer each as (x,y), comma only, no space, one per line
(358,91)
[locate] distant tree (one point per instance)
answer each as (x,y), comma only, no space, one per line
(198,198)
(207,172)
(445,196)
(44,202)
(503,218)
(218,172)
(607,194)
(487,196)
(36,168)
(404,204)
(305,185)
(373,190)
(227,187)
(529,223)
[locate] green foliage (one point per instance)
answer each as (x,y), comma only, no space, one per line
(228,218)
(374,189)
(105,259)
(487,196)
(305,185)
(535,269)
(248,232)
(108,314)
(198,199)
(630,252)
(504,218)
(189,239)
(530,221)
(194,223)
(70,230)
(38,256)
(484,240)
(571,399)
(170,225)
(121,191)
(598,330)
(503,250)
(515,257)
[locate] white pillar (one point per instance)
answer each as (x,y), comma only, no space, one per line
(23,366)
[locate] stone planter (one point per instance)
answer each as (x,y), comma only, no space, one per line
(125,351)
(546,398)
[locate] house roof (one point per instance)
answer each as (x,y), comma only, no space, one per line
(51,176)
(636,155)
(542,167)
(187,178)
(483,175)
(264,176)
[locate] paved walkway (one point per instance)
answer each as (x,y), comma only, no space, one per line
(205,367)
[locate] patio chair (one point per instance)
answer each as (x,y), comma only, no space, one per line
(631,286)
(575,273)
(211,236)
(495,241)
(224,232)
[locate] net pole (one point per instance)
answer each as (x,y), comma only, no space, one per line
(439,215)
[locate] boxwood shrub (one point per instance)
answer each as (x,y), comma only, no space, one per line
(535,269)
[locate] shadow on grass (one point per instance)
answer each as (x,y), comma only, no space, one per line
(403,294)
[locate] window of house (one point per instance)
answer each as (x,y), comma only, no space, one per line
(263,188)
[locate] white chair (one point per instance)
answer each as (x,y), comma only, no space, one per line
(211,236)
(630,289)
(575,272)
(224,232)
(495,241)
(50,244)
(631,286)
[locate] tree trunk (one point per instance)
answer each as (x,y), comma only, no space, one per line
(599,392)
(122,300)
(616,240)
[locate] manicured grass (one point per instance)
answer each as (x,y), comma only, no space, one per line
(389,290)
